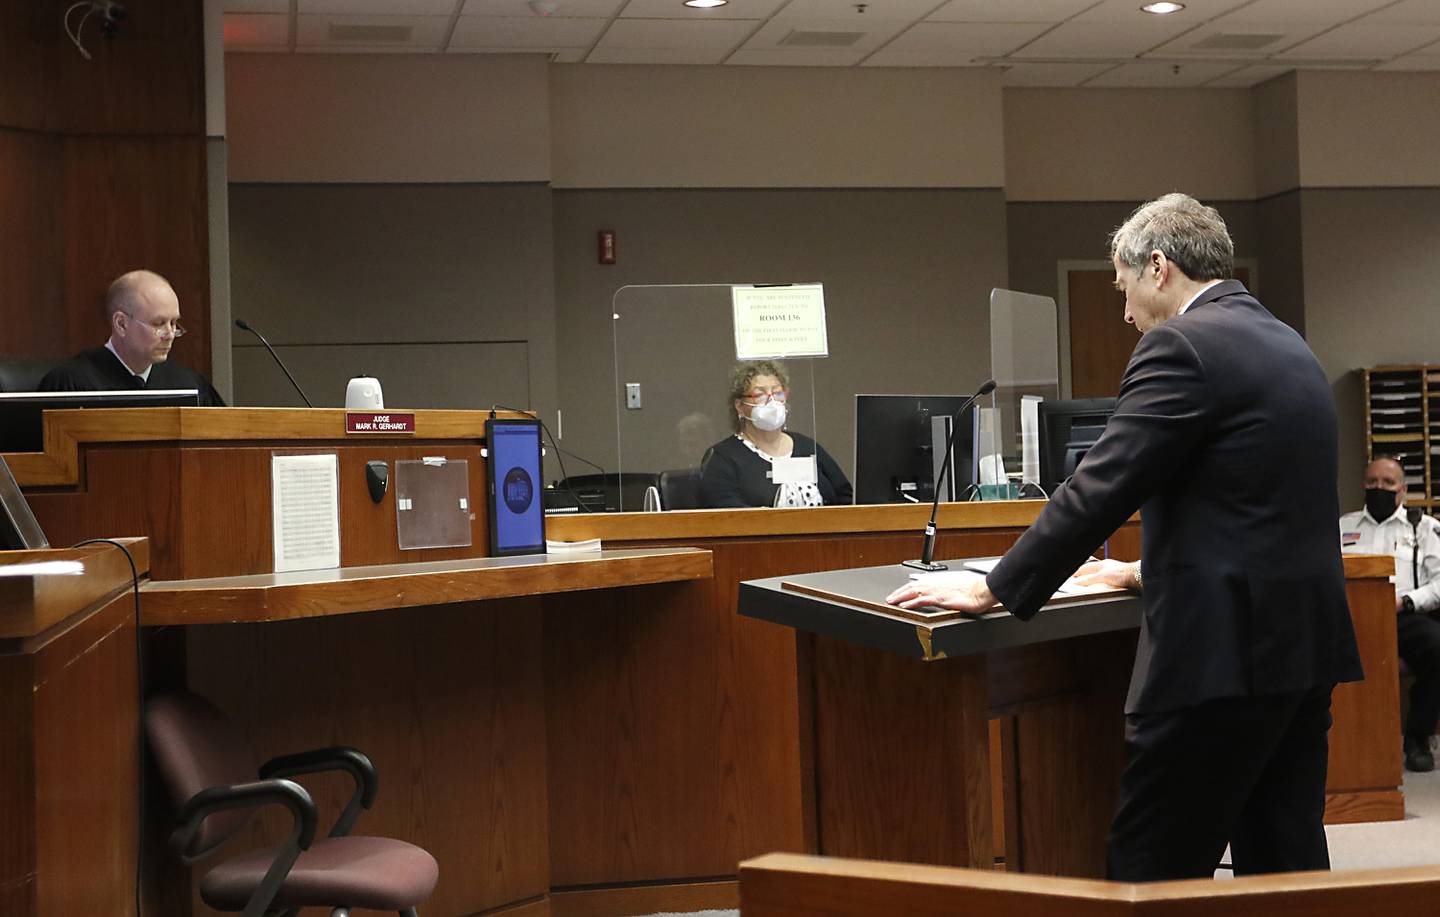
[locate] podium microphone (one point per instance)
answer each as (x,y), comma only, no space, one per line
(245,326)
(927,554)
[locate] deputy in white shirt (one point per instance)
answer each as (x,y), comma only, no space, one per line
(1413,539)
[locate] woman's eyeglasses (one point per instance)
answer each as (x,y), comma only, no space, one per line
(778,395)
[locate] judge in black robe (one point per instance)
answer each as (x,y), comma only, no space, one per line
(144,315)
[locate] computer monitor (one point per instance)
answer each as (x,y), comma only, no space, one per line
(896,453)
(22,425)
(1067,431)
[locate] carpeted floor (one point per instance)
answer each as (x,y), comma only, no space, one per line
(1412,842)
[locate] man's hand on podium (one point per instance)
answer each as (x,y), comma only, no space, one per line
(959,591)
(1114,573)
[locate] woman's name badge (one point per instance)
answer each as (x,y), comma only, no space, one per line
(793,470)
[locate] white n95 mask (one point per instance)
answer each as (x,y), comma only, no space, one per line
(769,416)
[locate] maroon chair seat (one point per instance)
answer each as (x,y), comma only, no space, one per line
(371,872)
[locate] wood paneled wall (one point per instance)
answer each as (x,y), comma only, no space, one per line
(102,166)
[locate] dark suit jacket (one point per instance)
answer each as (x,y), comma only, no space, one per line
(1225,437)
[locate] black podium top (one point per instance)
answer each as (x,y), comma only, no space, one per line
(770,600)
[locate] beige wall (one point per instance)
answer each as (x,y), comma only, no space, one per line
(387,118)
(1369,130)
(836,175)
(1128,144)
(1276,127)
(768,127)
(1372,294)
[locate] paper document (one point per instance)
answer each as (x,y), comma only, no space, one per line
(982,566)
(44,568)
(305,511)
(790,470)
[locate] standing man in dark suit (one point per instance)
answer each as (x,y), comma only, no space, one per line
(144,316)
(1224,437)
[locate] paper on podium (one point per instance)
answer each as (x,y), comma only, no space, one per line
(974,568)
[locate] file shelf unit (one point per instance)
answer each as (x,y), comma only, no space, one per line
(1402,418)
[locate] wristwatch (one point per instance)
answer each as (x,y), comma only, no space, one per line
(1407,605)
(1135,571)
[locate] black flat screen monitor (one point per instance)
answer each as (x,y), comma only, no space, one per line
(22,425)
(18,528)
(513,488)
(1067,431)
(896,452)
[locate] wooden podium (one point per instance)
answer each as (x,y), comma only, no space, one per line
(903,765)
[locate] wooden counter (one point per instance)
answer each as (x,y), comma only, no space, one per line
(353,590)
(69,713)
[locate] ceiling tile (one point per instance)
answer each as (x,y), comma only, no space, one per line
(1303,11)
(1037,74)
(257,6)
(676,9)
(908,10)
(1410,12)
(717,34)
(872,34)
(1356,41)
(977,39)
(426,32)
(1238,40)
(1413,62)
(567,9)
(533,32)
(1101,39)
(1008,11)
(555,55)
(1157,75)
(796,57)
(1194,13)
(360,49)
(656,56)
(251,30)
(378,7)
(1252,75)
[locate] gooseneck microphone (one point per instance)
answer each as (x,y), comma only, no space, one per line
(927,554)
(246,326)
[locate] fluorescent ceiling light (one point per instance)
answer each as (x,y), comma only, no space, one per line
(705,4)
(1160,9)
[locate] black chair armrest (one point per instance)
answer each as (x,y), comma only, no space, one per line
(248,795)
(338,758)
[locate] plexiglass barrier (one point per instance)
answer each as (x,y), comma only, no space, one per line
(1024,360)
(675,350)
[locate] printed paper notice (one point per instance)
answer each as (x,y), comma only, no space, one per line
(780,321)
(305,508)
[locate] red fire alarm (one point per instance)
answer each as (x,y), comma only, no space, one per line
(607,246)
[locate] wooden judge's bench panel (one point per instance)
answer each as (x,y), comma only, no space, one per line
(197,481)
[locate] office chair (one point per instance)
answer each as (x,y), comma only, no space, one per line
(211,778)
(22,373)
(680,489)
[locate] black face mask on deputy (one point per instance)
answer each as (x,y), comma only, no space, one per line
(1380,503)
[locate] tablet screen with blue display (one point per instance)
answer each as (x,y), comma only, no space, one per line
(512,475)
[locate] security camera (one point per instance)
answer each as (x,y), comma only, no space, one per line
(544,7)
(111,14)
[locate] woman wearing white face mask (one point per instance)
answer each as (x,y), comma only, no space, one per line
(737,471)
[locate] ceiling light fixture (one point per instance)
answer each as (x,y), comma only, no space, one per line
(1163,9)
(705,4)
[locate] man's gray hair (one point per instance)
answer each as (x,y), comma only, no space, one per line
(1188,233)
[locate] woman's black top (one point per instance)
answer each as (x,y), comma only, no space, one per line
(732,475)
